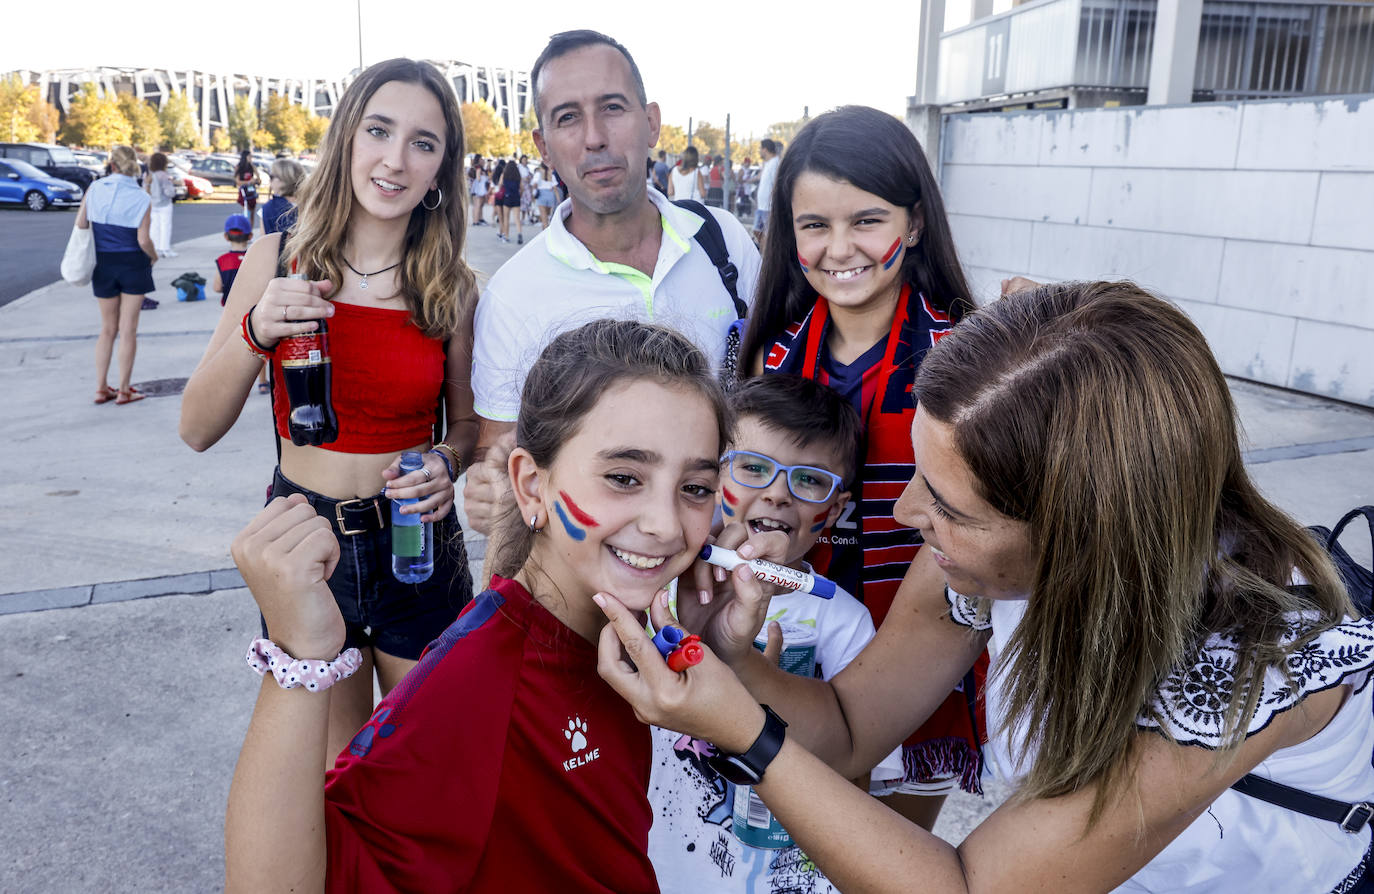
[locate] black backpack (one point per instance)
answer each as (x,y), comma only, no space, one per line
(1359,581)
(712,239)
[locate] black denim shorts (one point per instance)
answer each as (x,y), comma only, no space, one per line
(396,618)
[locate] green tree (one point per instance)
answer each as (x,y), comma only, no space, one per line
(44,116)
(16,100)
(672,139)
(145,131)
(784,131)
(95,120)
(315,127)
(708,138)
(524,140)
(286,124)
(219,140)
(483,129)
(178,120)
(243,123)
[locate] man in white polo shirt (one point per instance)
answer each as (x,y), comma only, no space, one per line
(613,249)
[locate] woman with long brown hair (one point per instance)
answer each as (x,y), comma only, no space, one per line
(1158,631)
(379,233)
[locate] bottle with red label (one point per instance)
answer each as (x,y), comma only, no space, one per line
(306,372)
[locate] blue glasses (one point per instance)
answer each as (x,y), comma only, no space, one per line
(806,483)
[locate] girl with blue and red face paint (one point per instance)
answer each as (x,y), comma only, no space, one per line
(502,756)
(859,278)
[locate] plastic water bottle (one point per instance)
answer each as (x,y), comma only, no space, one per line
(412,541)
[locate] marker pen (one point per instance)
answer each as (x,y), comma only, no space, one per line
(770,572)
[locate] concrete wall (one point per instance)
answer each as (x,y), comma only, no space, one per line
(1257,218)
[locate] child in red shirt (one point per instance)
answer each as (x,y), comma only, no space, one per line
(238,230)
(502,762)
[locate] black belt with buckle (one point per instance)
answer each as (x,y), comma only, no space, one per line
(361,515)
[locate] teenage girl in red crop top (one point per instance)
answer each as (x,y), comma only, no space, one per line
(380,235)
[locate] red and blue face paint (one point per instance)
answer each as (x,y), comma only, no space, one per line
(571,525)
(893,252)
(801,262)
(728,502)
(818,523)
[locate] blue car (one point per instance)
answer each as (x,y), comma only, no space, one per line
(22,182)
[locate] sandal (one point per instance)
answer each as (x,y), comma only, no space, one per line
(264,388)
(128,397)
(105,395)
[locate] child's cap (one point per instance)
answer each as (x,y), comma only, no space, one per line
(237,225)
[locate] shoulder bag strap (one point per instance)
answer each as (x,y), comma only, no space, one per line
(711,238)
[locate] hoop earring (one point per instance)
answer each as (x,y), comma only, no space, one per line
(534,523)
(436,204)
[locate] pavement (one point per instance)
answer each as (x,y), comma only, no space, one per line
(129,710)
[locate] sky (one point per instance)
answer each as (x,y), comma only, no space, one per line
(759,62)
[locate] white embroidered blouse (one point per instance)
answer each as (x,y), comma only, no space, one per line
(1240,843)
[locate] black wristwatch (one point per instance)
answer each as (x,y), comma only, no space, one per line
(747,768)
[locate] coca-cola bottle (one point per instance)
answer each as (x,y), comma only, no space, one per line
(306,371)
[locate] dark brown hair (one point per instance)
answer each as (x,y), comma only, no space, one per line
(1096,414)
(568,380)
(804,410)
(878,154)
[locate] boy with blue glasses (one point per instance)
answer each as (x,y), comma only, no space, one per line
(791,452)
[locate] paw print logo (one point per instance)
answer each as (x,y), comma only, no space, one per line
(375,728)
(575,733)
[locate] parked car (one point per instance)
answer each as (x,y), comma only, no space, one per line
(219,170)
(92,161)
(198,187)
(53,160)
(21,182)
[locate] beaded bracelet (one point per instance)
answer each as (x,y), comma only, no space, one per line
(250,339)
(454,467)
(317,676)
(447,465)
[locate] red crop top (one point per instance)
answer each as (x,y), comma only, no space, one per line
(387,378)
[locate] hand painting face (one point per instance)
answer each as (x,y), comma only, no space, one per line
(397,149)
(981,551)
(775,507)
(629,498)
(850,243)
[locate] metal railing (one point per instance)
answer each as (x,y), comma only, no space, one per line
(1252,50)
(1246,49)
(1047,45)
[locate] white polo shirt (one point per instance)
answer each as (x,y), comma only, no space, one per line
(556,284)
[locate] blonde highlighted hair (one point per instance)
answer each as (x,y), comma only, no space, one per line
(1095,413)
(290,173)
(434,280)
(123,160)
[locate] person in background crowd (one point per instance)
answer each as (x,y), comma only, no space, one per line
(545,194)
(120,213)
(715,182)
(162,191)
(660,172)
(246,176)
(684,181)
(477,189)
(763,196)
(512,186)
(379,233)
(279,212)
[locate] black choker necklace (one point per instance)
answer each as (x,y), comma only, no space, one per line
(363,284)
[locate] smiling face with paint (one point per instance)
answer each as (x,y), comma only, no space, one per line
(627,502)
(775,508)
(850,243)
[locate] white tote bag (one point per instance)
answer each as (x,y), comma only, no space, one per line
(78,262)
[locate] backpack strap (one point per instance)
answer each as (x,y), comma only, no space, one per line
(711,238)
(271,378)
